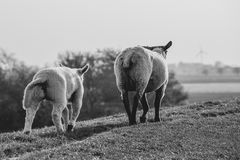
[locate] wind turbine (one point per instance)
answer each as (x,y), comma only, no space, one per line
(201,54)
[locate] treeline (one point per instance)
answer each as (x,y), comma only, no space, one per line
(101,96)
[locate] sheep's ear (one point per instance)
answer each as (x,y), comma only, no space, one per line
(168,45)
(147,47)
(58,64)
(83,69)
(61,65)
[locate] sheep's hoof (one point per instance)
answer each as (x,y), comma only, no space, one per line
(132,123)
(27,132)
(157,119)
(143,119)
(69,128)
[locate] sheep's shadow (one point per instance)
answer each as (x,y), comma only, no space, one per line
(81,133)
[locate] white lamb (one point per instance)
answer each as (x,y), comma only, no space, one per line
(58,85)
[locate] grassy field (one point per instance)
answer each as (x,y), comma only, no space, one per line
(199,92)
(209,130)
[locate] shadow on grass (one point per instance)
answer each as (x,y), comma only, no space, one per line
(81,133)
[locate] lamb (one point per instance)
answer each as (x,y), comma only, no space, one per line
(58,85)
(142,69)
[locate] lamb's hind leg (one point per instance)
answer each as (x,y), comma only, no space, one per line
(57,114)
(158,100)
(65,116)
(30,114)
(145,108)
(76,107)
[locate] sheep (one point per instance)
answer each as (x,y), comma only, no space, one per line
(58,85)
(142,69)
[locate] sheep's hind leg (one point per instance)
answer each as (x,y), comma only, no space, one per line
(126,104)
(30,114)
(56,116)
(65,116)
(76,107)
(158,100)
(145,108)
(136,99)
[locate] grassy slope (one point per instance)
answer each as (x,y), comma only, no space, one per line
(199,131)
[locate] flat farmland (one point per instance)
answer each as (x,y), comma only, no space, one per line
(199,92)
(208,79)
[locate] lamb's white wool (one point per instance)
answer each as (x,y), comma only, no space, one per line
(58,85)
(33,91)
(142,69)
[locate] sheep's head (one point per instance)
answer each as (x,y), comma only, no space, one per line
(160,49)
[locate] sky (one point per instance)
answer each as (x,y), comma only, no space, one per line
(37,31)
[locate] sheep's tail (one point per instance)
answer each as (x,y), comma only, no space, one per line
(33,92)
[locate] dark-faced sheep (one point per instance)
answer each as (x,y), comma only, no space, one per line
(142,69)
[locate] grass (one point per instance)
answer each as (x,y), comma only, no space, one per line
(209,130)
